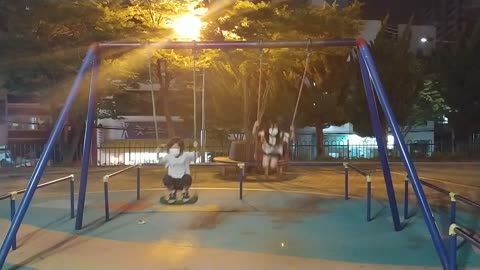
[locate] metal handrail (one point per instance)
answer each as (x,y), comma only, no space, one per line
(368,180)
(454,228)
(49,183)
(13,194)
(106,179)
(122,170)
(467,236)
(434,187)
(360,171)
(446,192)
(467,201)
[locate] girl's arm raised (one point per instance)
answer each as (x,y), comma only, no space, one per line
(190,156)
(160,159)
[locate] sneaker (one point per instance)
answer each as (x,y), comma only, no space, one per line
(186,197)
(172,198)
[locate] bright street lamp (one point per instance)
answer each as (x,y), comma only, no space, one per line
(187,27)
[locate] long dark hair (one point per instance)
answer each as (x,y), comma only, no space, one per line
(266,130)
(176,140)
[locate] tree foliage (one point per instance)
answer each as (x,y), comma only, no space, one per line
(45,44)
(458,69)
(430,104)
(401,73)
(282,68)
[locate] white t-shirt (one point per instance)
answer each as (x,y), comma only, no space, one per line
(177,167)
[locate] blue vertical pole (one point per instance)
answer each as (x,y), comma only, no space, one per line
(72,197)
(242,176)
(87,144)
(407,161)
(405,209)
(107,203)
(13,196)
(44,157)
(452,249)
(345,165)
(382,150)
(369,198)
(453,235)
(138,182)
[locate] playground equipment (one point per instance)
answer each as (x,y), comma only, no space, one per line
(13,197)
(106,179)
(454,229)
(373,89)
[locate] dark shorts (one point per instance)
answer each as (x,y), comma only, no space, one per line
(177,183)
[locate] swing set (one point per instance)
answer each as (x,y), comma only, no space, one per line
(374,91)
(262,95)
(261,106)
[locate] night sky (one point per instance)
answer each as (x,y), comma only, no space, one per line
(399,10)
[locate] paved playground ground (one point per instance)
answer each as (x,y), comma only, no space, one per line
(299,221)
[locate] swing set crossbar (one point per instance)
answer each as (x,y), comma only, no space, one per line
(235,44)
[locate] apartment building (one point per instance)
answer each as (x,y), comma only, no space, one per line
(25,124)
(451,16)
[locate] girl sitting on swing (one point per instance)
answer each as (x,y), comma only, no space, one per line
(273,140)
(177,162)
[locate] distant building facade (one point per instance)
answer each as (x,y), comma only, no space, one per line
(450,17)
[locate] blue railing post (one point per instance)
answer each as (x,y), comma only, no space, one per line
(453,207)
(345,166)
(378,131)
(452,249)
(405,205)
(87,142)
(13,197)
(44,158)
(72,196)
(368,65)
(138,182)
(369,198)
(105,193)
(242,178)
(453,235)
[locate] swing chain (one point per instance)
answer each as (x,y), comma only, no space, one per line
(259,80)
(152,94)
(309,47)
(302,82)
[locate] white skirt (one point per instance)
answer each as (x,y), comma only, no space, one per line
(272,149)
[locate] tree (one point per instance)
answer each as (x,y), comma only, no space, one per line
(402,75)
(430,104)
(246,20)
(458,71)
(231,90)
(45,44)
(153,18)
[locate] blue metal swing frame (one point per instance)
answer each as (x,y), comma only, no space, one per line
(374,91)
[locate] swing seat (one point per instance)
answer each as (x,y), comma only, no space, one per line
(282,162)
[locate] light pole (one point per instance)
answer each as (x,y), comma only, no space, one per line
(203,132)
(195,100)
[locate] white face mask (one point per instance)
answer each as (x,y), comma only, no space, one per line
(273,131)
(174,151)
